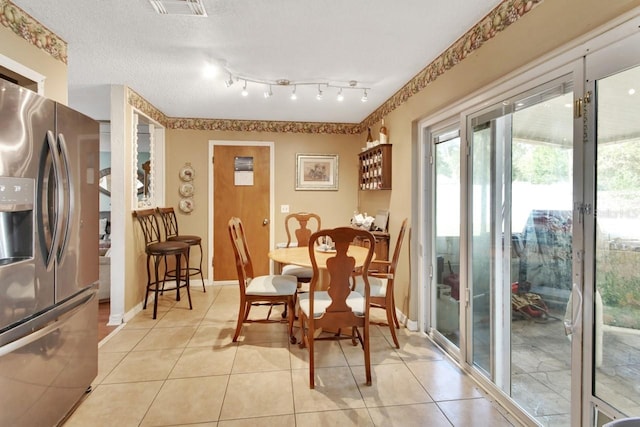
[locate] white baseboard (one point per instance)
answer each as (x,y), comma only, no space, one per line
(411,325)
(108,337)
(114,319)
(135,310)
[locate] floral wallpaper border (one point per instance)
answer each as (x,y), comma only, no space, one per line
(21,23)
(138,102)
(265,126)
(503,15)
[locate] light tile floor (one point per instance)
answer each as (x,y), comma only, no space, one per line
(183,369)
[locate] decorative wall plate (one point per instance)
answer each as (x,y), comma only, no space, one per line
(187,173)
(186,189)
(186,205)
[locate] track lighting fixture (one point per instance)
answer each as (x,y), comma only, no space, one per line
(169,7)
(322,86)
(229,83)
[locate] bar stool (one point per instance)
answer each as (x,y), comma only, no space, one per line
(170,222)
(159,250)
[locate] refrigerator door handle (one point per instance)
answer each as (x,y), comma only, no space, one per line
(66,183)
(59,317)
(58,199)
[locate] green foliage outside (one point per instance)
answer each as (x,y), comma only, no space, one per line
(619,166)
(541,164)
(618,272)
(619,284)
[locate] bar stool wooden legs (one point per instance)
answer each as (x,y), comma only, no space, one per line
(171,233)
(158,251)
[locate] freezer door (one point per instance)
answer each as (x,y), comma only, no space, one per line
(77,138)
(48,363)
(26,281)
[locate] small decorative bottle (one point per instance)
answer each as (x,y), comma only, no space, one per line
(384,139)
(369,138)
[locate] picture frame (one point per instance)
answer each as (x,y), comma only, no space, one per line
(317,172)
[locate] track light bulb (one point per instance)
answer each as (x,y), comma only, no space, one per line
(340,96)
(245,92)
(293,94)
(319,95)
(268,94)
(364,96)
(209,71)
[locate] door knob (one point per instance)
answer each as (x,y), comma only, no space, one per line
(265,221)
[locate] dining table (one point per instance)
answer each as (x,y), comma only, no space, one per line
(300,256)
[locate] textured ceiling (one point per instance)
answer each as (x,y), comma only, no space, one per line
(378,43)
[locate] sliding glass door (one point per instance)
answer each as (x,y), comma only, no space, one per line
(534,237)
(446,231)
(612,221)
(520,252)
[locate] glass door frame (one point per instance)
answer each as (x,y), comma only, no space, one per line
(616,51)
(574,72)
(500,132)
(447,126)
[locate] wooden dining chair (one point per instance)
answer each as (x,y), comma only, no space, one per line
(158,251)
(381,278)
(254,290)
(338,307)
(302,233)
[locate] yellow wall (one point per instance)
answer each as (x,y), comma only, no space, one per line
(334,207)
(32,57)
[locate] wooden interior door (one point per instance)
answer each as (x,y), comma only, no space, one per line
(250,203)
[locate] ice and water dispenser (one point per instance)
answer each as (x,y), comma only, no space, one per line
(16,219)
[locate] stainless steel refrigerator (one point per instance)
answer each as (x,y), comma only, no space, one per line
(49,160)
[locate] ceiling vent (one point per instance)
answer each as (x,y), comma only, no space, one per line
(179,7)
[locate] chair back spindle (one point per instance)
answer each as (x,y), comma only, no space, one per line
(170,222)
(302,233)
(149,226)
(241,251)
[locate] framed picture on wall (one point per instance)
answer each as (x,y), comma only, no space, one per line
(316,172)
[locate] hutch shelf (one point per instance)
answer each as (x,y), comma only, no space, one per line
(375,168)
